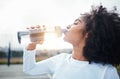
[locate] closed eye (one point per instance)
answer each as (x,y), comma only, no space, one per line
(78,20)
(75,23)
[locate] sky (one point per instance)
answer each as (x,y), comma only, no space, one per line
(16,15)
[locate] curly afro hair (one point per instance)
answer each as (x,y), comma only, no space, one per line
(103,42)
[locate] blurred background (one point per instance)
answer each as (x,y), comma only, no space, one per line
(17,15)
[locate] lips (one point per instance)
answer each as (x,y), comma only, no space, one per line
(64,31)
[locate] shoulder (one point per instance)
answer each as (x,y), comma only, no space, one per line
(111,68)
(110,72)
(61,56)
(57,60)
(107,71)
(103,68)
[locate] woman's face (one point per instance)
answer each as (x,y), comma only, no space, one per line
(75,32)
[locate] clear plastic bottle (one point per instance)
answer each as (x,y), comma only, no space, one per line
(38,33)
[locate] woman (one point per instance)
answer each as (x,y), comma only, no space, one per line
(96,49)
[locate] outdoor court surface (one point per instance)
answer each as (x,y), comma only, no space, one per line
(15,72)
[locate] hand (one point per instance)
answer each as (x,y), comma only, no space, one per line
(37,34)
(32,46)
(38,27)
(34,37)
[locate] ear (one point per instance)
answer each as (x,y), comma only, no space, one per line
(86,35)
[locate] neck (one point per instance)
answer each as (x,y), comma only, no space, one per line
(78,53)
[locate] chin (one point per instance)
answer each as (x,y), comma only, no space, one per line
(66,39)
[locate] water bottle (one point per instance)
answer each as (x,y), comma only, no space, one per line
(38,33)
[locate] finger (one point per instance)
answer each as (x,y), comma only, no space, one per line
(39,42)
(27,28)
(44,27)
(32,27)
(38,26)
